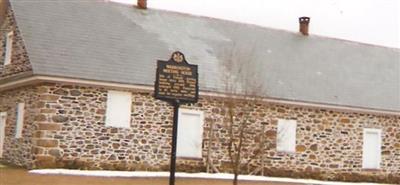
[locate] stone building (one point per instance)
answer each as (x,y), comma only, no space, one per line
(76,91)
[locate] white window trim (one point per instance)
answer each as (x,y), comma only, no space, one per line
(8,48)
(201,115)
(292,149)
(108,120)
(191,111)
(379,132)
(19,120)
(3,114)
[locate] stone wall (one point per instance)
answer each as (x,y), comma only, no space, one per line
(75,134)
(18,150)
(3,10)
(71,133)
(19,60)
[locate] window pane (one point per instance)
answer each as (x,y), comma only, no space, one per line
(286,140)
(20,120)
(7,57)
(118,113)
(3,117)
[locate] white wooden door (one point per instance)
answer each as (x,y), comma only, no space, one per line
(190,133)
(372,148)
(3,117)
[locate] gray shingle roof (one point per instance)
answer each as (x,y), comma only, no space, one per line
(118,43)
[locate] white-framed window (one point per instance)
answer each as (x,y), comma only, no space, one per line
(20,120)
(8,48)
(3,119)
(118,112)
(371,148)
(286,135)
(190,133)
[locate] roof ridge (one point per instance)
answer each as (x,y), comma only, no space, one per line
(258,26)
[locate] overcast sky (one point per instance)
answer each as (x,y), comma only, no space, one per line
(375,22)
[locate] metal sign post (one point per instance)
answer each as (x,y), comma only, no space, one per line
(173,148)
(176,83)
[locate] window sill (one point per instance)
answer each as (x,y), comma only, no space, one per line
(190,158)
(371,169)
(116,127)
(285,153)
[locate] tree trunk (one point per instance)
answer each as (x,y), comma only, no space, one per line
(211,139)
(235,179)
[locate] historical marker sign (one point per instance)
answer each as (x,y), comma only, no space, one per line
(176,80)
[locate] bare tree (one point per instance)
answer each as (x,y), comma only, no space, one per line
(245,89)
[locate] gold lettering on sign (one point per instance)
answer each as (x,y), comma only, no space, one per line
(177,82)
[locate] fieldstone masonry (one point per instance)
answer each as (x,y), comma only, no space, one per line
(65,127)
(18,150)
(19,57)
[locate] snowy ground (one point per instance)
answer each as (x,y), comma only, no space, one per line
(186,175)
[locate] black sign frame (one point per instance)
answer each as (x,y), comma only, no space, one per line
(178,60)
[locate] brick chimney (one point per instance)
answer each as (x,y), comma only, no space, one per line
(142,4)
(304,21)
